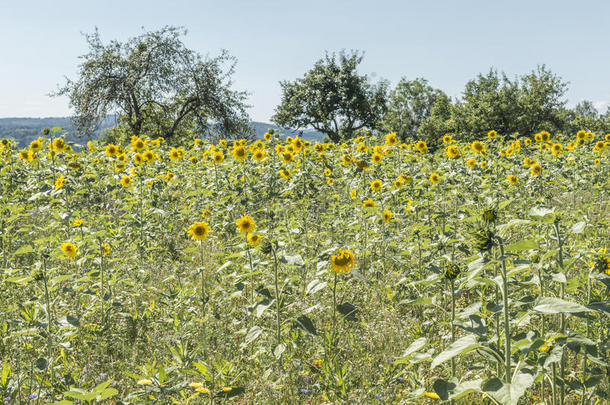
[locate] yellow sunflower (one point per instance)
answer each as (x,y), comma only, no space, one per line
(254,239)
(69,249)
(376,185)
(342,261)
(199,231)
(246,224)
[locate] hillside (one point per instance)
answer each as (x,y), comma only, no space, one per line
(25,130)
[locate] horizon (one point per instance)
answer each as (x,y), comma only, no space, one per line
(447,48)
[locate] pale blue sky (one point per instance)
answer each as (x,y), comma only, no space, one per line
(446,42)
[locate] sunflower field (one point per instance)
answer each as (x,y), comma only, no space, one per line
(282,271)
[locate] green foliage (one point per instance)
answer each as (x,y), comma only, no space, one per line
(157,86)
(408,105)
(332,98)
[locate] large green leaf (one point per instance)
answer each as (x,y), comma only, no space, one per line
(551,305)
(524,244)
(508,394)
(460,346)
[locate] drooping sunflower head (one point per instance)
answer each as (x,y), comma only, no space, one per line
(246,224)
(285,174)
(199,230)
(69,249)
(342,261)
(535,169)
(368,204)
(387,216)
(59,182)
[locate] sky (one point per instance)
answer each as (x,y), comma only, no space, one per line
(447,42)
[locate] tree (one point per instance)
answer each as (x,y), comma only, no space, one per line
(409,104)
(156,86)
(332,98)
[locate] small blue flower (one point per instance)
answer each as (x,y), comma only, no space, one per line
(304,391)
(7,399)
(33,395)
(378,396)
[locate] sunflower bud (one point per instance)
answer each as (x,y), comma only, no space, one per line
(46,131)
(452,271)
(266,247)
(489,216)
(482,239)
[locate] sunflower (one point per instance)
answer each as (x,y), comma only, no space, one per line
(23,154)
(580,135)
(246,224)
(111,150)
(406,179)
(285,173)
(287,157)
(471,162)
(447,139)
(258,155)
(377,157)
(512,179)
(391,139)
(589,136)
(218,157)
(199,231)
(59,182)
(267,136)
(398,183)
(369,204)
(387,216)
(149,156)
(69,249)
(59,144)
(125,181)
(36,145)
(254,239)
(478,147)
(105,249)
(78,223)
(421,146)
(353,194)
(483,164)
(492,134)
(535,169)
(137,144)
(599,146)
(527,141)
(169,176)
(138,158)
(376,185)
(596,162)
(174,154)
(346,159)
(452,151)
(557,149)
(342,261)
(435,178)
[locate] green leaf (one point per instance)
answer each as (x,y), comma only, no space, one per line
(305,323)
(63,402)
(293,260)
(551,305)
(279,349)
(524,244)
(508,394)
(413,347)
(578,227)
(253,334)
(460,346)
(466,388)
(24,249)
(107,393)
(314,286)
(544,215)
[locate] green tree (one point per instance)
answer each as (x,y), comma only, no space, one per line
(157,86)
(332,98)
(439,122)
(409,104)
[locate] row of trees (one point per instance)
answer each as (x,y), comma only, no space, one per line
(161,88)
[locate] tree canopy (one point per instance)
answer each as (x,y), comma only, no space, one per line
(157,86)
(332,98)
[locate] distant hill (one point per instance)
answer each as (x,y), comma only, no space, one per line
(25,130)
